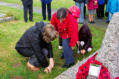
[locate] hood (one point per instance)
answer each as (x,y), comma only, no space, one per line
(40,26)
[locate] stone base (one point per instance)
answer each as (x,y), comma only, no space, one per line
(5,19)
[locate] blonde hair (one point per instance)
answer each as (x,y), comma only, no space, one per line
(49,33)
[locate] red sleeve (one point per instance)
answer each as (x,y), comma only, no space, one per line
(54,21)
(73,30)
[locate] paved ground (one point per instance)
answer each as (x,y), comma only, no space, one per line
(99,22)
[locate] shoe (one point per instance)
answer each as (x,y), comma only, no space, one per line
(90,22)
(62,56)
(93,22)
(67,65)
(25,21)
(31,20)
(60,47)
(32,67)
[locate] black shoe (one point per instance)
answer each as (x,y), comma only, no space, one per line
(93,22)
(25,21)
(62,56)
(31,20)
(67,65)
(90,22)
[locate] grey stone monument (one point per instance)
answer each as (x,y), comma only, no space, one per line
(109,51)
(108,54)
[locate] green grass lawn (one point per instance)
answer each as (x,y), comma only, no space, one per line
(14,65)
(55,3)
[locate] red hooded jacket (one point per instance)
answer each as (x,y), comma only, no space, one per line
(67,29)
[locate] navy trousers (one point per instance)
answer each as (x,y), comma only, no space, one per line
(28,52)
(26,9)
(67,51)
(48,10)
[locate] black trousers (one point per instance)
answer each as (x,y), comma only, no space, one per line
(60,41)
(28,8)
(100,11)
(28,52)
(84,11)
(48,10)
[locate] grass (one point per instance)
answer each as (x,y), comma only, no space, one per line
(14,65)
(55,3)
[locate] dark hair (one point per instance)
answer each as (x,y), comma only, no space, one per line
(62,13)
(85,29)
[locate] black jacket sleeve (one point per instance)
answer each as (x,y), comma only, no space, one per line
(88,42)
(50,52)
(34,38)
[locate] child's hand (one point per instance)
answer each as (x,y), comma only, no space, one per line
(95,3)
(83,51)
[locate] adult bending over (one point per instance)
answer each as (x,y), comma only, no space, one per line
(36,44)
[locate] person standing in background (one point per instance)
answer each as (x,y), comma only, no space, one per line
(92,6)
(112,7)
(28,5)
(100,10)
(80,4)
(48,3)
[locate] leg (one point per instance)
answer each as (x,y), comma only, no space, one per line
(27,52)
(81,20)
(102,11)
(98,12)
(44,11)
(34,61)
(68,53)
(80,46)
(89,17)
(84,11)
(31,12)
(49,11)
(25,12)
(110,16)
(60,42)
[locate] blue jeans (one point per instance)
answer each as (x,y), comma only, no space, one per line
(110,16)
(68,53)
(81,6)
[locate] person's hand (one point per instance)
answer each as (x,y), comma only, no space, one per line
(83,51)
(72,48)
(78,43)
(86,5)
(95,3)
(50,67)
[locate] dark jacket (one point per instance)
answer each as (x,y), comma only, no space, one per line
(101,2)
(81,1)
(27,2)
(86,36)
(33,38)
(46,1)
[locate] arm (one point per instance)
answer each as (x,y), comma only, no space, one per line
(89,41)
(73,30)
